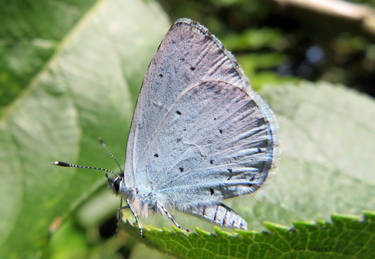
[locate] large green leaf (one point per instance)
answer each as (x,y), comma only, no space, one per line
(82,92)
(29,34)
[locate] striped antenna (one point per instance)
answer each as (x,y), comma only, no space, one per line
(64,164)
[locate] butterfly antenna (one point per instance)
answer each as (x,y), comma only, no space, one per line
(110,153)
(65,164)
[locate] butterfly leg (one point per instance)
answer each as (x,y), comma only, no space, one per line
(118,214)
(136,218)
(172,219)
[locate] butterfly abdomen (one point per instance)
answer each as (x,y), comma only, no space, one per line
(221,215)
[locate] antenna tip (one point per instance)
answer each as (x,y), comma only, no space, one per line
(59,163)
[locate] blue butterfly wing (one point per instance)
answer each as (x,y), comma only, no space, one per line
(199,133)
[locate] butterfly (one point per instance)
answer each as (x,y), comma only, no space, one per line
(199,133)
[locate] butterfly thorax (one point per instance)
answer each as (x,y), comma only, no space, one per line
(143,201)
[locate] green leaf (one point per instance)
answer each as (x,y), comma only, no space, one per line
(85,90)
(345,237)
(29,35)
(143,251)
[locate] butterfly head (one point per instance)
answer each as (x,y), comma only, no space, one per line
(115,183)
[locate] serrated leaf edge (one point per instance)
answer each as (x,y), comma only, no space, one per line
(367,216)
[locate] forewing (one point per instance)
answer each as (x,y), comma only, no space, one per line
(193,90)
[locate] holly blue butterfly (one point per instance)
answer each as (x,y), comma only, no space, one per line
(199,133)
